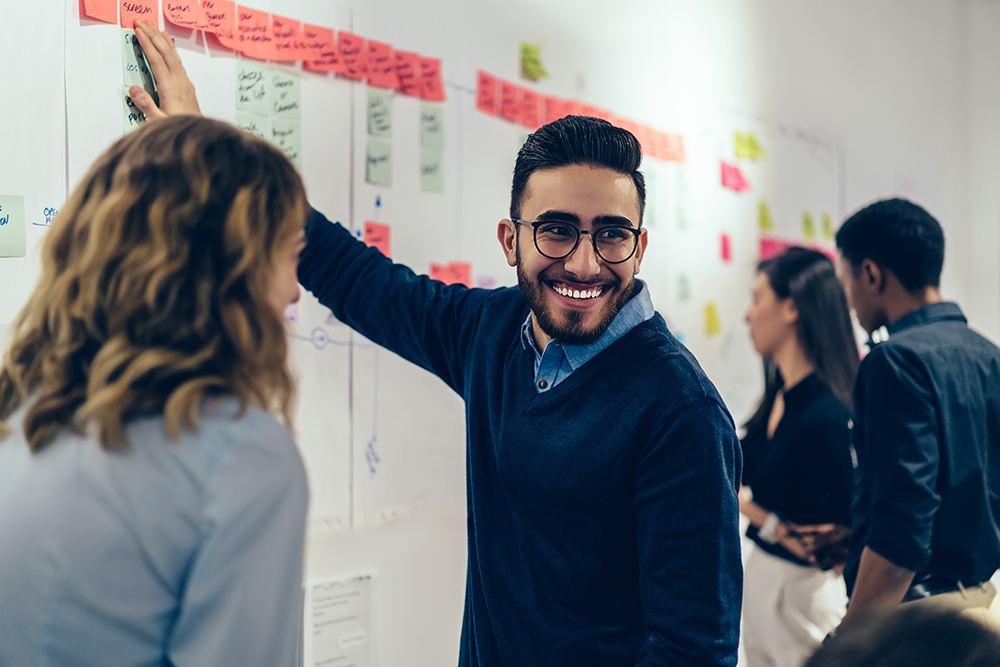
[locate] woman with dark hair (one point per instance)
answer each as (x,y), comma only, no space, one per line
(152,505)
(797,456)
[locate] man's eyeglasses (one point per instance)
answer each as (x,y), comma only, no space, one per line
(555,239)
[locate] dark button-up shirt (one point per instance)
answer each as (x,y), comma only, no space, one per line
(804,472)
(927,436)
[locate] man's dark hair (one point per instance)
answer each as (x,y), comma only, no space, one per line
(577,140)
(899,236)
(912,635)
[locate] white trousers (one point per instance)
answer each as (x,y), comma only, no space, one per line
(787,609)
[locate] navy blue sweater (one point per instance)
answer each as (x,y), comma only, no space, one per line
(603,514)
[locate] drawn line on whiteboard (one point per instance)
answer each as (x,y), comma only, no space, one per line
(460,88)
(320,339)
(371,454)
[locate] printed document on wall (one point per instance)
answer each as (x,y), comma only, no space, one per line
(339,621)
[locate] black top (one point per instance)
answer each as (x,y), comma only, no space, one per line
(927,429)
(804,472)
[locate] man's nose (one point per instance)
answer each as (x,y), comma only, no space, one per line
(584,262)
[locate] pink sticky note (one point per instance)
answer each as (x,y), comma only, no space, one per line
(102,10)
(553,109)
(354,55)
(381,65)
(431,83)
(377,235)
(674,148)
(510,102)
(254,36)
(452,273)
(185,14)
(320,40)
(486,92)
(408,72)
(725,249)
(732,178)
(531,113)
(221,15)
(644,134)
(147,10)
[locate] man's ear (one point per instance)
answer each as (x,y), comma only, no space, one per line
(640,250)
(873,277)
(507,235)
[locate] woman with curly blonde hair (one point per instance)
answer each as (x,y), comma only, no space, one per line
(152,510)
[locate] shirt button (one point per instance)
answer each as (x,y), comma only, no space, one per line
(542,384)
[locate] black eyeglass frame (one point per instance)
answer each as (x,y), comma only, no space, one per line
(579,234)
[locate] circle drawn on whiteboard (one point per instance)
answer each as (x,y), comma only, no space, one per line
(320,338)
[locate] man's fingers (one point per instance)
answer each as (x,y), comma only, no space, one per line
(142,100)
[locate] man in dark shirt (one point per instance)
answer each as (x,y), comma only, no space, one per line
(927,421)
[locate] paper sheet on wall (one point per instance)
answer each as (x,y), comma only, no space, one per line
(339,621)
(13,239)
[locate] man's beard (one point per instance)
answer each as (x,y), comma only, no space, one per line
(570,332)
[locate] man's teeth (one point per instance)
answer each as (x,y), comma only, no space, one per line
(577,294)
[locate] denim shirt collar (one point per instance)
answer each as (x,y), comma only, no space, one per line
(934,312)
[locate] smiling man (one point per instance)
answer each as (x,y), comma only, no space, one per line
(602,466)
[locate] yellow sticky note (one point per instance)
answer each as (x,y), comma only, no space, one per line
(531,62)
(764,220)
(713,325)
(808,226)
(827,227)
(748,146)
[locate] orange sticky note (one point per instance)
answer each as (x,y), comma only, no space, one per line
(381,65)
(320,40)
(354,54)
(644,134)
(377,235)
(733,179)
(452,273)
(486,92)
(254,36)
(674,148)
(408,72)
(510,102)
(221,15)
(147,10)
(531,114)
(185,14)
(556,108)
(597,112)
(102,10)
(289,42)
(431,83)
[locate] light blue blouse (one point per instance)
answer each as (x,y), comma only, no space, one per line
(167,553)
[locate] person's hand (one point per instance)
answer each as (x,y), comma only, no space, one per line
(789,538)
(826,545)
(177,96)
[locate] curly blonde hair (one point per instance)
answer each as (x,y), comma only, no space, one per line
(154,288)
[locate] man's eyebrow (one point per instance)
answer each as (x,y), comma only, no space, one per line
(601,220)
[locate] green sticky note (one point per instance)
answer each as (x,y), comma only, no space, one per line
(253,87)
(531,62)
(13,237)
(287,135)
(132,116)
(379,168)
(431,170)
(255,125)
(827,227)
(286,94)
(432,126)
(379,113)
(764,220)
(135,70)
(808,226)
(683,288)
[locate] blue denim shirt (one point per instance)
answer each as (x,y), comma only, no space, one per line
(559,361)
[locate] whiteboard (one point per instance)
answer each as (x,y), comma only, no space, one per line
(383,439)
